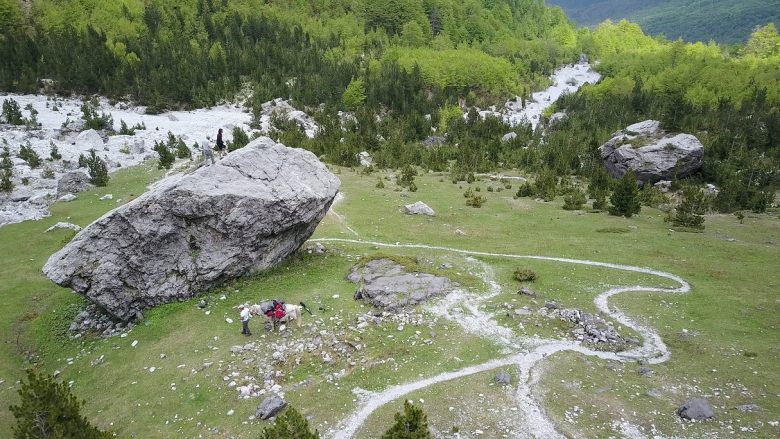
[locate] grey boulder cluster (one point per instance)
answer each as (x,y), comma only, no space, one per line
(386,284)
(193,231)
(651,153)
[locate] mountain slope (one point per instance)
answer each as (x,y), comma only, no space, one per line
(691,20)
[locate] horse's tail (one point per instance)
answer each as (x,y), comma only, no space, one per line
(305,308)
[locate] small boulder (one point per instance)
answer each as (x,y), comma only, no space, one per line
(745,408)
(696,409)
(89,139)
(508,136)
(72,183)
(419,208)
(270,407)
(365,159)
(503,377)
(67,198)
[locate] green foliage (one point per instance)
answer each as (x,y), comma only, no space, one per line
(54,153)
(412,424)
(476,201)
(12,113)
(49,410)
(166,157)
(240,139)
(94,120)
(574,200)
(29,155)
(405,178)
(625,198)
(379,183)
(524,275)
(546,184)
(691,209)
(182,151)
(651,196)
(6,184)
(289,425)
(355,94)
(47,173)
(6,162)
(124,129)
(98,172)
(526,190)
(764,42)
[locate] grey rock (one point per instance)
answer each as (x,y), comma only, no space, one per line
(72,183)
(434,141)
(365,159)
(67,198)
(663,185)
(89,139)
(419,208)
(64,225)
(696,409)
(503,377)
(196,230)
(645,372)
(508,136)
(525,291)
(654,393)
(745,408)
(557,118)
(551,305)
(651,153)
(270,407)
(386,284)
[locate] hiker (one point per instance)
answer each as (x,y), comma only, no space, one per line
(245,316)
(221,145)
(206,150)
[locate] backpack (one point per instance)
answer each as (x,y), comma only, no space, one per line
(273,309)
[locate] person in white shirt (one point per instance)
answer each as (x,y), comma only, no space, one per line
(245,316)
(205,148)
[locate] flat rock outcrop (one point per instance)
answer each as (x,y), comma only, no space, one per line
(651,153)
(193,231)
(419,208)
(386,284)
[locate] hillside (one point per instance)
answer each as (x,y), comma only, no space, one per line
(691,20)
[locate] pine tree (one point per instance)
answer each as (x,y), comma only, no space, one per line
(574,200)
(166,157)
(690,211)
(98,172)
(625,197)
(6,184)
(413,424)
(290,425)
(49,410)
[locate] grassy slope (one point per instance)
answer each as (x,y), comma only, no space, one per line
(733,309)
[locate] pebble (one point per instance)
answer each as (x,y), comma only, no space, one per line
(134,343)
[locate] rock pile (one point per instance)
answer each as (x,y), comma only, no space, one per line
(193,231)
(386,284)
(592,329)
(92,320)
(651,153)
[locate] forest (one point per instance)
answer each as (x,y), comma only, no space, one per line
(406,70)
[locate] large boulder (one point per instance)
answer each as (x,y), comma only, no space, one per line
(270,407)
(89,139)
(72,183)
(651,153)
(419,208)
(193,231)
(696,409)
(386,284)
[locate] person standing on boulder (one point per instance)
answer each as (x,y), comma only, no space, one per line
(206,150)
(245,316)
(221,145)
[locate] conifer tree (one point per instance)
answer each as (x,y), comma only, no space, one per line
(166,157)
(625,198)
(98,171)
(290,425)
(690,211)
(412,424)
(49,410)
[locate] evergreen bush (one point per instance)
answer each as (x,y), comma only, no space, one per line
(379,183)
(625,198)
(289,425)
(29,155)
(94,120)
(98,171)
(476,201)
(525,275)
(574,200)
(412,424)
(240,139)
(166,157)
(12,113)
(54,153)
(182,151)
(691,209)
(48,409)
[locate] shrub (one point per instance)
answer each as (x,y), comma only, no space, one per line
(469,193)
(6,184)
(546,184)
(54,153)
(289,425)
(625,197)
(12,113)
(98,172)
(48,409)
(6,162)
(379,183)
(412,424)
(29,155)
(690,211)
(240,139)
(476,201)
(574,200)
(124,129)
(525,190)
(740,216)
(166,157)
(47,173)
(652,197)
(600,203)
(525,275)
(82,161)
(405,178)
(94,120)
(182,151)
(470,178)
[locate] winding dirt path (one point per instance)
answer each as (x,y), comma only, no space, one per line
(537,424)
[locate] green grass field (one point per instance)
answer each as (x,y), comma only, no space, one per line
(723,335)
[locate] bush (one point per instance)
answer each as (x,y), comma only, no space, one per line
(166,157)
(525,190)
(574,200)
(48,409)
(652,197)
(476,201)
(98,172)
(379,183)
(412,424)
(94,120)
(600,203)
(124,129)
(6,162)
(525,275)
(406,177)
(82,161)
(12,113)
(182,151)
(6,184)
(625,197)
(54,153)
(690,212)
(240,139)
(289,425)
(546,184)
(47,173)
(29,155)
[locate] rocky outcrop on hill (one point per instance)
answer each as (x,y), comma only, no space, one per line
(651,153)
(386,284)
(193,231)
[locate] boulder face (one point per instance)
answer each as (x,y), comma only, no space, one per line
(195,230)
(651,153)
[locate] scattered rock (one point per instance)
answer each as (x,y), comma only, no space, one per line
(592,329)
(503,377)
(696,409)
(525,291)
(67,198)
(557,118)
(508,136)
(663,186)
(460,232)
(193,231)
(107,197)
(419,208)
(202,304)
(270,407)
(748,408)
(386,284)
(651,153)
(434,141)
(365,159)
(645,372)
(72,183)
(654,393)
(64,225)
